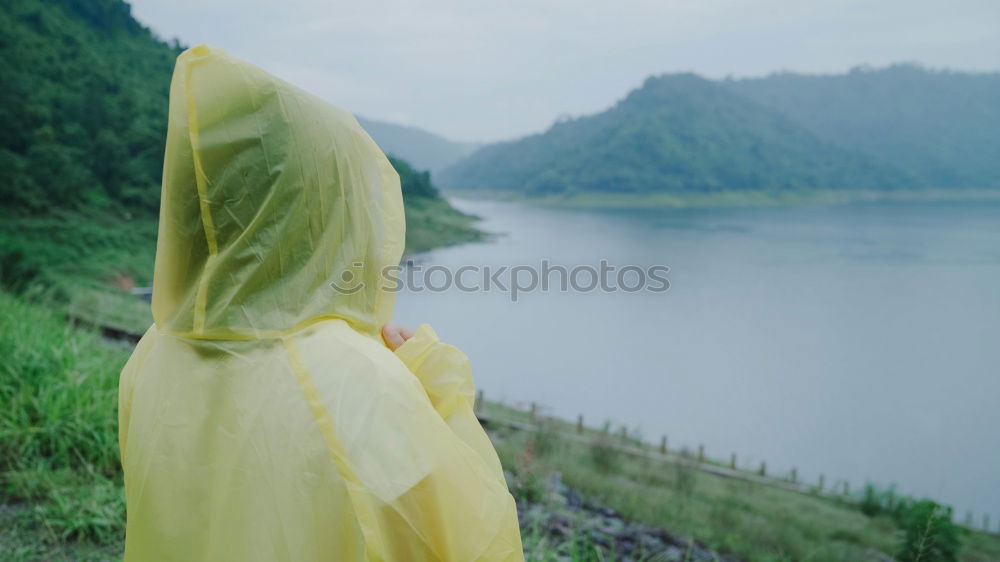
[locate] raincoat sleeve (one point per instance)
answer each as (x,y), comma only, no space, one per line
(420,489)
(444,372)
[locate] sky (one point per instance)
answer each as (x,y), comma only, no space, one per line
(475,70)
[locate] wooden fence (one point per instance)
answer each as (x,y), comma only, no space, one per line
(840,489)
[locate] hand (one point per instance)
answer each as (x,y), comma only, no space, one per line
(395,336)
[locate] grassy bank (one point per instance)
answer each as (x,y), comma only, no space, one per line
(89,261)
(747,519)
(592,200)
(60,480)
(61,485)
(434,223)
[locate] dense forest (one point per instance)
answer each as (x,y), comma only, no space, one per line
(893,129)
(84,106)
(939,126)
(84,110)
(83,117)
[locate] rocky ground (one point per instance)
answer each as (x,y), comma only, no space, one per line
(568,527)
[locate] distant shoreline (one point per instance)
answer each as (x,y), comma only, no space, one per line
(728,198)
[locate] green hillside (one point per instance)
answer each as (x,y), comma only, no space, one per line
(83,108)
(419,147)
(939,126)
(676,134)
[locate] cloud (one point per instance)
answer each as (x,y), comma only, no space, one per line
(476,70)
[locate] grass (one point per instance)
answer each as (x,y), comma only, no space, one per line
(66,252)
(753,521)
(89,261)
(60,481)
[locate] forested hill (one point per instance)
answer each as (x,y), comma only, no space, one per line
(943,127)
(84,94)
(83,106)
(83,113)
(677,133)
(898,128)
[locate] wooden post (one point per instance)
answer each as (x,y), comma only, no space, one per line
(701,453)
(732,461)
(579,424)
(795,475)
(534,411)
(763,468)
(479,401)
(822,482)
(663,444)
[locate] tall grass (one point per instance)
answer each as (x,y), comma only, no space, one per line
(58,424)
(67,251)
(747,519)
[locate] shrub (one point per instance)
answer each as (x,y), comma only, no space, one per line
(931,536)
(603,453)
(545,438)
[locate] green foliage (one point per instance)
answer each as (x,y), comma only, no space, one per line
(83,117)
(58,427)
(414,183)
(67,250)
(545,439)
(82,107)
(433,222)
(58,385)
(604,454)
(931,536)
(939,126)
(893,129)
(529,481)
(675,134)
(685,475)
(87,507)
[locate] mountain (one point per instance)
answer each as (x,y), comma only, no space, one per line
(83,106)
(83,116)
(676,134)
(421,148)
(941,126)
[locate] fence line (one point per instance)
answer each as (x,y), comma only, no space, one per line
(792,483)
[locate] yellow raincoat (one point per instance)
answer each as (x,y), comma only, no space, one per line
(261,417)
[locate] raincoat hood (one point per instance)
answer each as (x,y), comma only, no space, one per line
(277,211)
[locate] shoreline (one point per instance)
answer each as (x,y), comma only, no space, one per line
(729,199)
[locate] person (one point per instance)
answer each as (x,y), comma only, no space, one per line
(266,414)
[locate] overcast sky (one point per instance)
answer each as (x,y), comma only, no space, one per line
(488,70)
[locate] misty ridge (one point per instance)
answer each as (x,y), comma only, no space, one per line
(893,129)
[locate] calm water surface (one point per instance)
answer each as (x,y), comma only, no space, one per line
(861,342)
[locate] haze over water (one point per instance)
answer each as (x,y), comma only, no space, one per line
(859,341)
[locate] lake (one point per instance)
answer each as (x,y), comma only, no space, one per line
(858,341)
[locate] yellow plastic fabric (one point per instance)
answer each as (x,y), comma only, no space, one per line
(261,417)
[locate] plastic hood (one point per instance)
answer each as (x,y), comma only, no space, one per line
(270,195)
